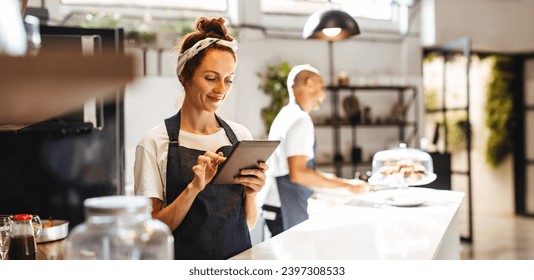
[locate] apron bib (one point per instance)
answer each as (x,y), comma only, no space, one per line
(215,226)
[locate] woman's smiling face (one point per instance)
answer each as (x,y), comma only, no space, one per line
(211,81)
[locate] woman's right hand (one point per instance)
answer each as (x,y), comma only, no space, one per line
(206,168)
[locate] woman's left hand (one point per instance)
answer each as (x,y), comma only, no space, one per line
(253,179)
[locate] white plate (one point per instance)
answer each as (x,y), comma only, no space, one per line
(400,201)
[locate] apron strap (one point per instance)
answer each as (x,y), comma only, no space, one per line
(229,132)
(311,163)
(173,128)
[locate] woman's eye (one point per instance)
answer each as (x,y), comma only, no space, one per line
(229,82)
(210,79)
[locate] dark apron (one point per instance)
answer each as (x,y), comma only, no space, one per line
(215,226)
(294,199)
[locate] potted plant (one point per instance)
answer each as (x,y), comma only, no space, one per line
(273,83)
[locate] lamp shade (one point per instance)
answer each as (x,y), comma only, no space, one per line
(330,25)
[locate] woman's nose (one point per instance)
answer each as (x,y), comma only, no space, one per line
(219,88)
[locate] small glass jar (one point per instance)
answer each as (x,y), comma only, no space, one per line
(119,228)
(22,245)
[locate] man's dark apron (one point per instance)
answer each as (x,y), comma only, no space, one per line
(215,227)
(294,199)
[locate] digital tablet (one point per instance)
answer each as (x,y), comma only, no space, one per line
(245,155)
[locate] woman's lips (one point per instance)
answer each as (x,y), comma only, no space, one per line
(215,99)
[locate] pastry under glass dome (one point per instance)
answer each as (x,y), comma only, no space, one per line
(402,167)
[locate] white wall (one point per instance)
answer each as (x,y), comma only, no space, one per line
(493,25)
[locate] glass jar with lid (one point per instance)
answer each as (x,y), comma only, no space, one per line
(22,245)
(119,228)
(402,167)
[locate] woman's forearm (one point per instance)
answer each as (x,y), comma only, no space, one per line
(251,210)
(174,213)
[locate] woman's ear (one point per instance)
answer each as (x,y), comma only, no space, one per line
(181,79)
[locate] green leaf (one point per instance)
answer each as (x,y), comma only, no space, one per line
(273,83)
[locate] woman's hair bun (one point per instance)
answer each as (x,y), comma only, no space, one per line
(213,25)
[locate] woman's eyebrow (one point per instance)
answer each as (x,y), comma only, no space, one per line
(217,73)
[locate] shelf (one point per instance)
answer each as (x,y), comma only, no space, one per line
(34,89)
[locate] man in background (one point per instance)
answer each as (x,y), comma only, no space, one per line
(292,167)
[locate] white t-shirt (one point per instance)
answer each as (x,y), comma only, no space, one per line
(150,167)
(294,128)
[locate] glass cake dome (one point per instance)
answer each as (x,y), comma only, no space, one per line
(402,167)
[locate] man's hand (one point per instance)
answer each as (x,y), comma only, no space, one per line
(358,186)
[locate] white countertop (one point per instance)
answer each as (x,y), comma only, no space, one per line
(344,226)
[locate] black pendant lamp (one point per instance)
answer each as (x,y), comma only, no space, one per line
(331,25)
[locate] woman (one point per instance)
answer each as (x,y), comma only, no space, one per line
(176,160)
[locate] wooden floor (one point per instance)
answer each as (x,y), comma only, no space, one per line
(500,237)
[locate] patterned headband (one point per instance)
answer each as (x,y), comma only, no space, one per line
(200,45)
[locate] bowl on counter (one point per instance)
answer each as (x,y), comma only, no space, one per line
(53,230)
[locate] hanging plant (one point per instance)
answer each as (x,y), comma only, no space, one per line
(430,100)
(457,129)
(273,83)
(498,110)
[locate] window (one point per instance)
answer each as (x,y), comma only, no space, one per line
(204,5)
(371,9)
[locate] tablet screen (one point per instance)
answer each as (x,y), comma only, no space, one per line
(245,155)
